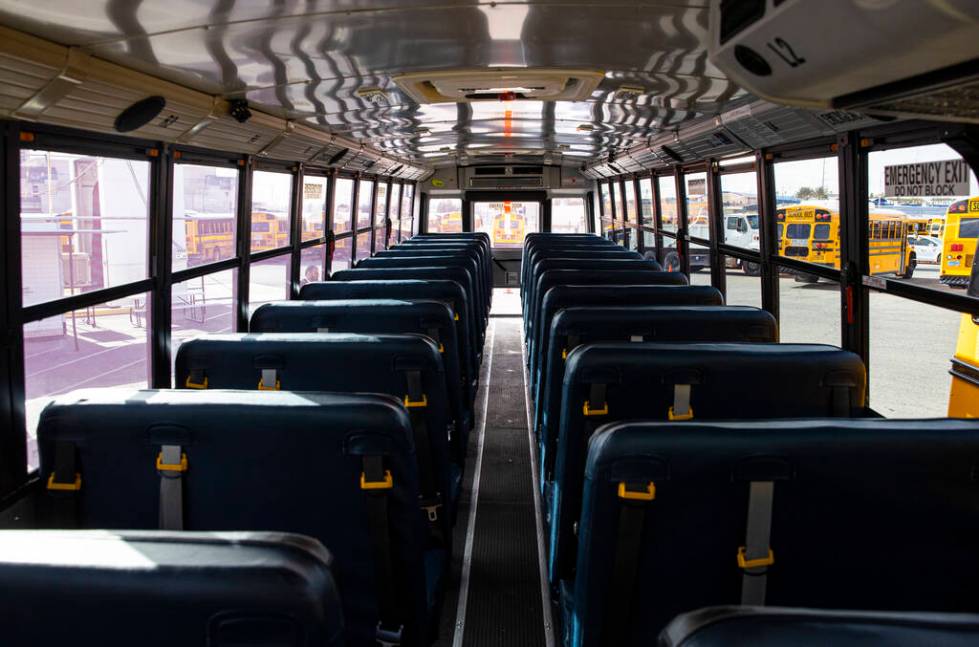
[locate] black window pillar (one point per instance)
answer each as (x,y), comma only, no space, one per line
(767,232)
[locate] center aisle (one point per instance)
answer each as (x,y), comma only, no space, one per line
(500,592)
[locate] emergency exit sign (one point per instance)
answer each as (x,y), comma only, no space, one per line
(924,179)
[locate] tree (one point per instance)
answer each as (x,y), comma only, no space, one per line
(804,193)
(820,193)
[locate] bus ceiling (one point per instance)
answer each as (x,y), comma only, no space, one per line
(404,88)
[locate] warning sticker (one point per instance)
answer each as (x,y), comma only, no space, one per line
(923,179)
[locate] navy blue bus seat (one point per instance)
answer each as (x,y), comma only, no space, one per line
(457,274)
(560,297)
(534,254)
(466,263)
(452,250)
(379,316)
(572,327)
(408,367)
(607,382)
(860,514)
(336,467)
(159,589)
(448,292)
(536,328)
(591,264)
(737,626)
(537,255)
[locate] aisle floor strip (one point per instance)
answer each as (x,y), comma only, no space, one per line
(545,593)
(474,499)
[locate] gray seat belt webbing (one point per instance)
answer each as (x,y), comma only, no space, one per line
(756,556)
(171,467)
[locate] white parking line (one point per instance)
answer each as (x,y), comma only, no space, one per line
(473,499)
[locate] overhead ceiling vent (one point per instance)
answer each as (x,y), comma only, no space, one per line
(521,182)
(496,84)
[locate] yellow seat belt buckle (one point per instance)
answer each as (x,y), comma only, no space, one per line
(457,316)
(57,486)
(646,494)
(410,404)
(190,384)
(170,467)
(680,416)
(277,387)
(441,347)
(386,484)
(588,411)
(564,354)
(745,563)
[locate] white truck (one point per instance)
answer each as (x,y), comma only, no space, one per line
(740,230)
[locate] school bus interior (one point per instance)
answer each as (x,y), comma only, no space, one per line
(532,323)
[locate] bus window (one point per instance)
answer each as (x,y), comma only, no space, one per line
(100,346)
(743,286)
(918,222)
(314,207)
(445,215)
(910,381)
(506,222)
(631,215)
(380,215)
(568,215)
(342,205)
(406,215)
(312,265)
(667,202)
(205,214)
(268,280)
(364,244)
(271,206)
(83,223)
(364,200)
(646,201)
(698,225)
(341,255)
(809,313)
(606,212)
(202,305)
(739,199)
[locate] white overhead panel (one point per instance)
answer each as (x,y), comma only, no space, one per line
(879,56)
(495,84)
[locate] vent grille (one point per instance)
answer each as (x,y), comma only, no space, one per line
(505,182)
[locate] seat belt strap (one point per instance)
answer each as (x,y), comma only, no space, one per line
(633,499)
(756,555)
(63,485)
(416,402)
(681,403)
(376,483)
(171,463)
(270,380)
(636,338)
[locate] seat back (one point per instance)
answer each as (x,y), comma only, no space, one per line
(572,327)
(465,250)
(448,292)
(280,461)
(590,264)
(608,382)
(579,281)
(432,273)
(112,588)
(535,256)
(850,500)
(407,367)
(377,316)
(537,252)
(777,626)
(475,286)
